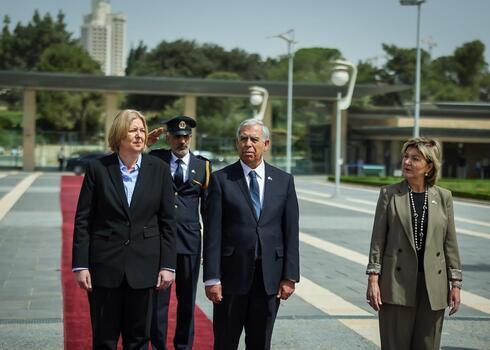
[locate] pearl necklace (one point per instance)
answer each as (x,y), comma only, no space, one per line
(418,231)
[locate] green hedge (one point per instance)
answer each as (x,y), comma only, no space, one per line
(466,188)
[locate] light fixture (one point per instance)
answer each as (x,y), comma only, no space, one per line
(340,76)
(411,2)
(258,99)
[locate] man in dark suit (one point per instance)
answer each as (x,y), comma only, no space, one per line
(251,255)
(124,236)
(191,177)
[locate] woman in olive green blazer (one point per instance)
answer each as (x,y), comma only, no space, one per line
(414,255)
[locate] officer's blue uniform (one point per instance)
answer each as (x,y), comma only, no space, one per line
(188,197)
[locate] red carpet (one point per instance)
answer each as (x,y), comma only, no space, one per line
(77,330)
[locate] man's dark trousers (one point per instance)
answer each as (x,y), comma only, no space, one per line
(256,311)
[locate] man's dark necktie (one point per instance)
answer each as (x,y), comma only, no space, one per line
(254,192)
(179,173)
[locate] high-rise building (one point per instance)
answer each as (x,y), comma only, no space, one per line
(104,37)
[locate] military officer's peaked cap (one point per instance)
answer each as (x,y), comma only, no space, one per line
(180,125)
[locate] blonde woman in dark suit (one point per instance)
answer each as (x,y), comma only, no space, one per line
(414,267)
(124,236)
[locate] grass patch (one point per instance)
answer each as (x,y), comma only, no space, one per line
(466,188)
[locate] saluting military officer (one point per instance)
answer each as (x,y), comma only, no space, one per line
(190,181)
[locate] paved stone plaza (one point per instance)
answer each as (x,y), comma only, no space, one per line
(30,248)
(328,310)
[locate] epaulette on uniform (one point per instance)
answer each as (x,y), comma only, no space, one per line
(208,170)
(201,157)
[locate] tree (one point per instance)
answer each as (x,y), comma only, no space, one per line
(400,65)
(22,48)
(367,73)
(44,44)
(184,58)
(180,58)
(135,55)
(67,58)
(469,62)
(458,77)
(221,106)
(310,65)
(485,87)
(7,57)
(67,110)
(8,61)
(32,39)
(246,66)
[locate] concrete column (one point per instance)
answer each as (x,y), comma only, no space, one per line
(395,160)
(111,111)
(443,170)
(268,122)
(190,107)
(29,129)
(379,155)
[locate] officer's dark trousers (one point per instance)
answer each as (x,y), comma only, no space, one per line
(255,311)
(186,276)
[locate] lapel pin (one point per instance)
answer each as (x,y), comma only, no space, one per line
(193,171)
(269,178)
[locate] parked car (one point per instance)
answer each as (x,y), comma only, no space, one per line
(78,162)
(217,161)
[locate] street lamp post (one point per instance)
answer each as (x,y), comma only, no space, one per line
(258,99)
(289,38)
(340,77)
(338,144)
(416,122)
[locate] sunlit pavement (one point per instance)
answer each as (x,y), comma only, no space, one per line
(328,310)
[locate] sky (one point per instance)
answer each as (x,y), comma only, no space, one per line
(356,27)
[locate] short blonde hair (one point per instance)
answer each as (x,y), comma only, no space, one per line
(120,127)
(432,153)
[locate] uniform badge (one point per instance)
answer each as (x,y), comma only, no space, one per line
(182,125)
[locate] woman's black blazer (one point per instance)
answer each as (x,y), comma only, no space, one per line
(115,240)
